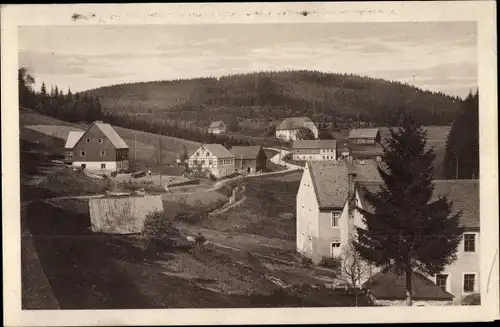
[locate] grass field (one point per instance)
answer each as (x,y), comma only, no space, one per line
(269,208)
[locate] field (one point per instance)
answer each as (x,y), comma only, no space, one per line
(268,210)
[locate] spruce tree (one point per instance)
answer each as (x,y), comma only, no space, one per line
(43,90)
(407,231)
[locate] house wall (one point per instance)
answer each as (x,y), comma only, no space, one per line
(287,135)
(329,234)
(328,154)
(307,218)
(306,154)
(244,164)
(219,167)
(363,140)
(466,263)
(93,149)
(95,166)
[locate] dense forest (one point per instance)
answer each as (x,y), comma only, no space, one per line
(70,107)
(462,147)
(258,100)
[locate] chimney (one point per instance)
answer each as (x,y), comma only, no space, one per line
(351,187)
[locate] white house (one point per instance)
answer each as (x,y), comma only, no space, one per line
(303,150)
(217,127)
(213,158)
(324,224)
(289,128)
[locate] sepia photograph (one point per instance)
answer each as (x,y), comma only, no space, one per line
(279,164)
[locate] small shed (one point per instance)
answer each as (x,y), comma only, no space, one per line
(249,159)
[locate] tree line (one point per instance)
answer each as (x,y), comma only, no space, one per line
(78,107)
(462,147)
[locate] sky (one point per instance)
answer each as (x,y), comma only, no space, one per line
(433,56)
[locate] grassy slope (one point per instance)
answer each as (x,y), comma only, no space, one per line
(41,126)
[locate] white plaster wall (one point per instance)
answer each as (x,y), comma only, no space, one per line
(96,165)
(307,215)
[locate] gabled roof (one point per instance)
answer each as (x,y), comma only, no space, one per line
(464,195)
(107,130)
(293,123)
(217,150)
(245,152)
(217,124)
(391,286)
(112,135)
(73,137)
(330,179)
(315,144)
(363,133)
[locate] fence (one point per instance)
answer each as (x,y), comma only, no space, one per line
(122,215)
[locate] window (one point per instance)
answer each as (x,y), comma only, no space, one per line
(323,157)
(87,140)
(83,165)
(469,281)
(99,140)
(103,153)
(303,157)
(82,153)
(470,242)
(335,219)
(69,154)
(310,157)
(335,248)
(210,162)
(103,166)
(441,281)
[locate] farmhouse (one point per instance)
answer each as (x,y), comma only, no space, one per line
(212,158)
(364,136)
(289,128)
(99,149)
(217,127)
(314,150)
(249,159)
(324,225)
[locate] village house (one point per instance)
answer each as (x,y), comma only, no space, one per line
(364,136)
(324,225)
(212,158)
(98,149)
(303,150)
(289,128)
(217,127)
(249,159)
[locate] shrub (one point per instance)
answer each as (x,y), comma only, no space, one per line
(200,239)
(472,299)
(192,217)
(159,231)
(333,263)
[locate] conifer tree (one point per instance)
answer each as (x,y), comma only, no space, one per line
(407,231)
(69,95)
(462,146)
(43,90)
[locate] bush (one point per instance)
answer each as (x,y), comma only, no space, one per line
(159,232)
(333,263)
(192,217)
(473,299)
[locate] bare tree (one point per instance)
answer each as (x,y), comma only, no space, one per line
(353,269)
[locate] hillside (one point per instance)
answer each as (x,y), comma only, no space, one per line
(257,99)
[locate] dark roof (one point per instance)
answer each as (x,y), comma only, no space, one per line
(330,179)
(217,124)
(358,133)
(245,152)
(315,144)
(293,123)
(464,195)
(391,286)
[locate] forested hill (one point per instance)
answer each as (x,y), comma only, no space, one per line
(340,99)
